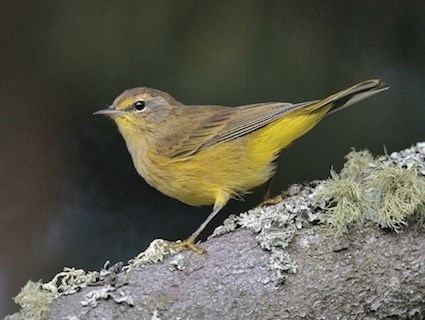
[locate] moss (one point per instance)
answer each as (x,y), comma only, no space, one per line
(400,193)
(34,301)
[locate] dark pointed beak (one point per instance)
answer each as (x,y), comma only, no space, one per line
(109,112)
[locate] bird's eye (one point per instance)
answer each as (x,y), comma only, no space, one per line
(140,105)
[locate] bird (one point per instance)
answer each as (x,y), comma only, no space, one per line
(209,154)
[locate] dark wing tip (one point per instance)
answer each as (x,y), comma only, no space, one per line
(375,84)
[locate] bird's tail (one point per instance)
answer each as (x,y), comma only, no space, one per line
(347,97)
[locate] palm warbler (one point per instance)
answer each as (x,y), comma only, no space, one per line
(206,154)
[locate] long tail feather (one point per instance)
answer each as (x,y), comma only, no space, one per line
(347,97)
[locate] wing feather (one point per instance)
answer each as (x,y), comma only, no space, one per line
(211,125)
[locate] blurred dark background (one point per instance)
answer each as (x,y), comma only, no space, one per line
(69,194)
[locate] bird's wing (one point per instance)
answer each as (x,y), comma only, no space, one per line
(252,117)
(195,126)
(211,125)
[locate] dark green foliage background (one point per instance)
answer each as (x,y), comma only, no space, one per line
(69,195)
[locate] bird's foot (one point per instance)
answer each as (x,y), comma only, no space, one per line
(271,201)
(188,244)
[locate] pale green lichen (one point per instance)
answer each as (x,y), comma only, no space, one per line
(347,202)
(410,158)
(179,262)
(36,297)
(400,193)
(281,264)
(357,162)
(229,224)
(276,226)
(251,219)
(120,295)
(34,301)
(380,191)
(157,251)
(70,280)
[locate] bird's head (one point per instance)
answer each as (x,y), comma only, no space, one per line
(140,109)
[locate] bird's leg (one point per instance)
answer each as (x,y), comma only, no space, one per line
(266,198)
(189,243)
(267,191)
(267,201)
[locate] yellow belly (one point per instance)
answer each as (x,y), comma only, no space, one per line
(226,170)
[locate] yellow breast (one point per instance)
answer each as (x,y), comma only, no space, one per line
(226,170)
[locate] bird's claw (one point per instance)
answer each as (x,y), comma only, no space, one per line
(271,201)
(188,244)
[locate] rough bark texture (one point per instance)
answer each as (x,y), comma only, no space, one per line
(371,274)
(280,263)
